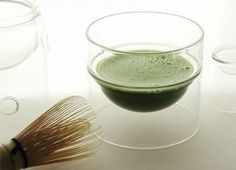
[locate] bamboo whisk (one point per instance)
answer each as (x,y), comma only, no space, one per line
(64,132)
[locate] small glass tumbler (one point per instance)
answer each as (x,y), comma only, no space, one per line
(23,72)
(135,114)
(223,84)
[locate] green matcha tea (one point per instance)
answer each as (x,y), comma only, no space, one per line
(144,82)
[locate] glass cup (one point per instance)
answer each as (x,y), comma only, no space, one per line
(223,91)
(23,73)
(146,67)
(223,72)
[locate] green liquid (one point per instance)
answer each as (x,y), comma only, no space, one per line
(129,73)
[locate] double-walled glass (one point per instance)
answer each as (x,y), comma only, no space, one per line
(144,84)
(23,73)
(223,79)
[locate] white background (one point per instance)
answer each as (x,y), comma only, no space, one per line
(213,148)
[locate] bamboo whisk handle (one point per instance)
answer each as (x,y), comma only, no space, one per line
(6,162)
(10,157)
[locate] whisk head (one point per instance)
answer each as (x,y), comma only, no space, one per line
(64,132)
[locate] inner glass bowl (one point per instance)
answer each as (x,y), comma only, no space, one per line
(18,31)
(225,57)
(143,81)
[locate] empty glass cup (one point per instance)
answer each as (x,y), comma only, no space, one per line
(223,84)
(23,73)
(146,68)
(223,73)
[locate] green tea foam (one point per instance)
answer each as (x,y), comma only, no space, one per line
(149,70)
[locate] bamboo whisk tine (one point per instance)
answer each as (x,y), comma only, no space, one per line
(64,132)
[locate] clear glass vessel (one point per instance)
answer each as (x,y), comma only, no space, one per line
(23,72)
(223,72)
(223,83)
(146,67)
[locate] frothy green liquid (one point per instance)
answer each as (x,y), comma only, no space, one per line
(145,71)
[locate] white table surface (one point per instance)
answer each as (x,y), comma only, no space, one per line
(212,148)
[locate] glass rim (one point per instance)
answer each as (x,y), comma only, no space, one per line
(22,18)
(215,55)
(145,12)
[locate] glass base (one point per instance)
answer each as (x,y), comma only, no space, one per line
(224,103)
(147,131)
